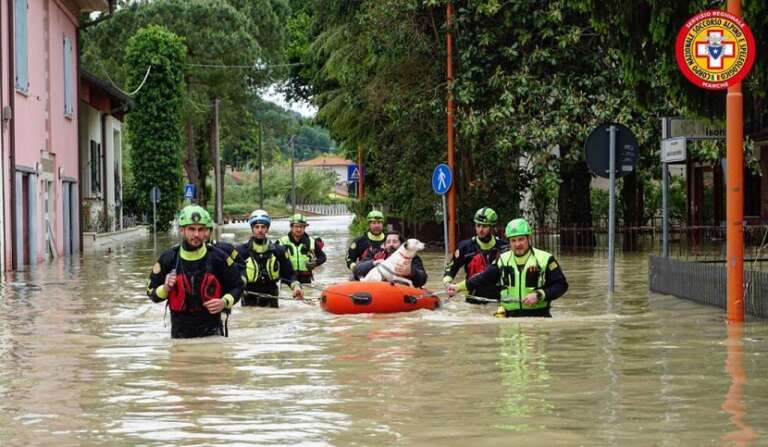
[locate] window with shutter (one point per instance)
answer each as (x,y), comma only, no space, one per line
(20,45)
(68,105)
(95,162)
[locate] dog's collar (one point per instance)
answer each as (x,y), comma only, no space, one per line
(407,257)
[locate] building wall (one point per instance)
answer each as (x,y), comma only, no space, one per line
(45,139)
(110,184)
(340,171)
(5,90)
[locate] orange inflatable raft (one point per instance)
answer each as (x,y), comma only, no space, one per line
(380,297)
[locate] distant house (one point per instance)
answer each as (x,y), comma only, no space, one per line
(102,109)
(39,103)
(340,166)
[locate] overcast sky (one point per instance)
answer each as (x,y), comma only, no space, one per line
(305,109)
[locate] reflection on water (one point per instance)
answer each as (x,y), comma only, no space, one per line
(734,405)
(86,359)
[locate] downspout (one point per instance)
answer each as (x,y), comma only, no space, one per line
(12,128)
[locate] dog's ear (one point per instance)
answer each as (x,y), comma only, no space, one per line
(406,245)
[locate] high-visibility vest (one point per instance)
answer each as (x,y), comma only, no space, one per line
(255,273)
(299,254)
(517,283)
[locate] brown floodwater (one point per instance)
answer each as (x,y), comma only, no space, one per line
(86,359)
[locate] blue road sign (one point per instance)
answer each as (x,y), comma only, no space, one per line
(353,173)
(442,177)
(189,191)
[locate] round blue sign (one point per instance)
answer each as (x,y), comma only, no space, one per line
(442,177)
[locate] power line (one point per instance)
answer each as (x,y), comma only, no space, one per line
(252,67)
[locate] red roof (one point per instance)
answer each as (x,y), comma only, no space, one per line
(326,160)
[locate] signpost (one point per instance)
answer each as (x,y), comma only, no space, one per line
(154,197)
(442,177)
(673,150)
(353,176)
(694,129)
(611,145)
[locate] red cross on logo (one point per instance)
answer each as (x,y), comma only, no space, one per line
(715,49)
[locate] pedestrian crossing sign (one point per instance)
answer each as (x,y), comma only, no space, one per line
(189,191)
(353,173)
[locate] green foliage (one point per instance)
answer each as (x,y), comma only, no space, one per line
(599,200)
(154,139)
(312,186)
(543,197)
(231,46)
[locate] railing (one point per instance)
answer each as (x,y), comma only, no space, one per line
(706,283)
(324,210)
(689,242)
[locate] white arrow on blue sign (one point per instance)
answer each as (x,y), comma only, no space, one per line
(442,177)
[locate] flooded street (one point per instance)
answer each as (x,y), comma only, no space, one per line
(86,359)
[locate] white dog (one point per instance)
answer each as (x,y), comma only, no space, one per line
(400,261)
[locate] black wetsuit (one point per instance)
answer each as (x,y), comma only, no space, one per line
(273,267)
(194,320)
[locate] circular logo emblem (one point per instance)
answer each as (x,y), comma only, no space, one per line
(715,49)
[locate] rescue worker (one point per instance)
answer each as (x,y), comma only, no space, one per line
(476,254)
(306,252)
(368,245)
(197,281)
(265,265)
(530,278)
(392,242)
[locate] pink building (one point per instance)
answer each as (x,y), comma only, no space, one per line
(40,179)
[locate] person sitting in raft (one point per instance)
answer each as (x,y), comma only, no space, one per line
(392,242)
(530,278)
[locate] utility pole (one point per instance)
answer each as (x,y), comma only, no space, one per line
(734,116)
(293,177)
(218,177)
(451,142)
(261,171)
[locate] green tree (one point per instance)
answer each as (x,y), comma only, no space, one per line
(231,46)
(155,138)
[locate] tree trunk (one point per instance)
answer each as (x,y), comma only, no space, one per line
(573,205)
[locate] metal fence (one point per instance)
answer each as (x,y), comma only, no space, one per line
(705,282)
(689,242)
(335,209)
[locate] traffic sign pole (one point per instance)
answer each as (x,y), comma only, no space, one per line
(442,181)
(154,222)
(154,197)
(445,226)
(665,210)
(611,207)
